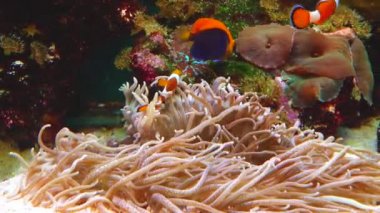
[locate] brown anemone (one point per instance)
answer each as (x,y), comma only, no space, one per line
(364,76)
(317,63)
(319,55)
(266,46)
(306,91)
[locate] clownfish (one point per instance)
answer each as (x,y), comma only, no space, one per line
(169,85)
(301,18)
(212,40)
(144,108)
(157,106)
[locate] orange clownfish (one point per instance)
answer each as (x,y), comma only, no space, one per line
(169,84)
(212,40)
(301,18)
(144,108)
(157,106)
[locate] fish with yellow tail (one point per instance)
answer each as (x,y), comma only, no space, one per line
(301,18)
(212,40)
(169,85)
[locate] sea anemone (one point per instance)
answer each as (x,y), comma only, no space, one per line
(307,54)
(220,151)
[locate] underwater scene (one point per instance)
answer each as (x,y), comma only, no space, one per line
(190,106)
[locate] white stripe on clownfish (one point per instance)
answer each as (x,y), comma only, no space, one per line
(169,84)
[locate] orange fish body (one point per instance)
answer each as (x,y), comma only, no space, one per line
(144,108)
(326,9)
(301,18)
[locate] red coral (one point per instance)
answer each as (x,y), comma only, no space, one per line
(146,64)
(12,118)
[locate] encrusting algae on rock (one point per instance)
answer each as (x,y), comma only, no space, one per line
(208,148)
(148,24)
(346,17)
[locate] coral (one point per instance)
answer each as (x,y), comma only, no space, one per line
(237,14)
(28,93)
(79,30)
(364,76)
(217,151)
(322,117)
(157,42)
(356,94)
(276,11)
(127,10)
(147,58)
(148,24)
(11,44)
(348,109)
(179,9)
(266,46)
(264,85)
(31,30)
(328,56)
(146,64)
(307,91)
(310,55)
(11,118)
(39,52)
(346,17)
(251,79)
(123,59)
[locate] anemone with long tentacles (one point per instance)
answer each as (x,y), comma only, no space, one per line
(220,151)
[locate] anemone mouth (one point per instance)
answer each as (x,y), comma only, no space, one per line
(266,46)
(328,56)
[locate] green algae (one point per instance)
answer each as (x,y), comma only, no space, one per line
(251,79)
(123,60)
(346,17)
(363,137)
(237,14)
(343,17)
(276,11)
(10,166)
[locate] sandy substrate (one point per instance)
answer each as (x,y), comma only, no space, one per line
(363,137)
(20,205)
